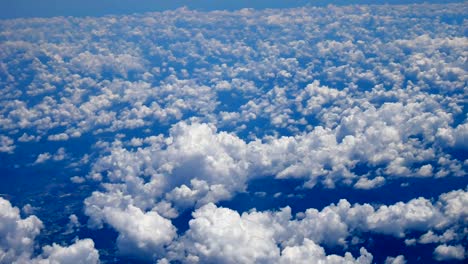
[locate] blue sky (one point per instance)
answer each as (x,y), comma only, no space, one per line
(48,8)
(285,135)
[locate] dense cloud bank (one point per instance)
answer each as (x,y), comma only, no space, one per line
(184,109)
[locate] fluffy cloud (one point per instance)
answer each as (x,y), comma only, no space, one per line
(198,164)
(6,144)
(58,137)
(43,157)
(80,252)
(59,155)
(16,234)
(17,241)
(353,95)
(395,260)
(444,253)
(364,183)
(310,251)
(222,235)
(141,234)
(218,234)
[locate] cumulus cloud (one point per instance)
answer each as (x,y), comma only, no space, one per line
(28,138)
(141,234)
(196,164)
(58,137)
(16,234)
(364,183)
(7,144)
(80,252)
(59,155)
(222,235)
(444,252)
(395,260)
(316,94)
(310,251)
(43,157)
(17,241)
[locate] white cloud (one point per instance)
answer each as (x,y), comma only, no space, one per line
(431,237)
(7,144)
(365,183)
(59,155)
(216,233)
(77,179)
(16,234)
(395,260)
(43,157)
(73,224)
(17,241)
(455,137)
(81,252)
(58,137)
(28,138)
(222,235)
(141,234)
(444,252)
(391,103)
(311,252)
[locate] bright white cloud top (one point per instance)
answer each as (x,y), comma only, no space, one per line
(159,120)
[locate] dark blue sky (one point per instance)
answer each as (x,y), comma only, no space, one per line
(49,8)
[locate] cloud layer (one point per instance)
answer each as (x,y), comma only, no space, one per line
(175,112)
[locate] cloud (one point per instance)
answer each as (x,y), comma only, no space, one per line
(43,157)
(28,138)
(58,137)
(222,235)
(17,241)
(364,183)
(217,233)
(354,96)
(59,155)
(77,179)
(80,252)
(455,137)
(310,251)
(7,144)
(395,260)
(445,253)
(16,234)
(141,234)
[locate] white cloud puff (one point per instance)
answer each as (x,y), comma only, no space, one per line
(219,234)
(223,236)
(141,234)
(17,241)
(16,234)
(43,157)
(80,252)
(58,137)
(311,252)
(445,252)
(364,183)
(395,260)
(7,144)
